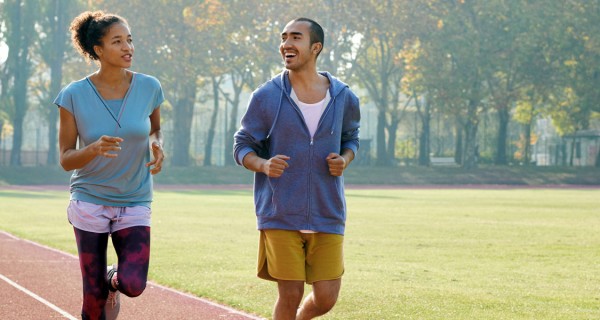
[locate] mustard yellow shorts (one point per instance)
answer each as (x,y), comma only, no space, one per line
(292,255)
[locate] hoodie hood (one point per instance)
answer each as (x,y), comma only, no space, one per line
(336,86)
(282,81)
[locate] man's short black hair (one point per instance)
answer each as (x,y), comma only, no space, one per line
(316,32)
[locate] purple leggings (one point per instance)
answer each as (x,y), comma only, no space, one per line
(133,251)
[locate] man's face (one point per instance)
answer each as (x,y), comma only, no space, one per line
(295,47)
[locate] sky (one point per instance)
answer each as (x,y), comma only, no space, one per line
(3,52)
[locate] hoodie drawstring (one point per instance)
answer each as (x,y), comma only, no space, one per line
(334,115)
(276,115)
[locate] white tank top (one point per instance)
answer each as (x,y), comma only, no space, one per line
(311,111)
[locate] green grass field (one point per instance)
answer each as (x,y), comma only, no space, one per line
(410,254)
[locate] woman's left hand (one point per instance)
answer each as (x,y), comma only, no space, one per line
(157,152)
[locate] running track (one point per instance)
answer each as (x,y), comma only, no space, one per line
(37,282)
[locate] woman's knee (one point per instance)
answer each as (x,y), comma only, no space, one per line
(132,290)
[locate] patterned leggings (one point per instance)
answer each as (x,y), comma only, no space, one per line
(133,251)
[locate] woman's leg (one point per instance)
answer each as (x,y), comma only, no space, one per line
(133,251)
(92,261)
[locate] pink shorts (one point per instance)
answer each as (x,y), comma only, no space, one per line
(105,219)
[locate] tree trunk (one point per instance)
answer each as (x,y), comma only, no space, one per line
(470,159)
(382,156)
(424,147)
(231,129)
(20,98)
(459,147)
(22,33)
(183,113)
(391,145)
(59,41)
(210,137)
(52,159)
(572,155)
(503,119)
(562,152)
(424,140)
(527,145)
(1,149)
(233,117)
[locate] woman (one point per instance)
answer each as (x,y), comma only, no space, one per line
(109,126)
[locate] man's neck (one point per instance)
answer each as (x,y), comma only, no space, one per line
(309,87)
(304,78)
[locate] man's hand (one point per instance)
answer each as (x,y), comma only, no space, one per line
(275,166)
(336,164)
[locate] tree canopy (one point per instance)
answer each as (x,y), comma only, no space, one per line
(497,63)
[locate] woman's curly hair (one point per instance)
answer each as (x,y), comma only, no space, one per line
(88,28)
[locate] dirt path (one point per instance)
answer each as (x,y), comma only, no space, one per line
(37,282)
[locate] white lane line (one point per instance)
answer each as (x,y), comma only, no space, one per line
(214,304)
(187,295)
(38,298)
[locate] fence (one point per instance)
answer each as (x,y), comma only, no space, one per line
(28,158)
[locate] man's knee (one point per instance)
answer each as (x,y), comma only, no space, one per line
(324,303)
(291,291)
(325,294)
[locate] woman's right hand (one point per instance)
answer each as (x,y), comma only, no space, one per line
(106,146)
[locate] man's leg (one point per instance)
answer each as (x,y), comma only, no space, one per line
(320,300)
(290,296)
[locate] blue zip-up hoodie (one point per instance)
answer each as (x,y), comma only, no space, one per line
(306,196)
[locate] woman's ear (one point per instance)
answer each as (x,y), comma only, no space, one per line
(98,51)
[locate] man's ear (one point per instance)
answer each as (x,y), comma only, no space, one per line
(317,47)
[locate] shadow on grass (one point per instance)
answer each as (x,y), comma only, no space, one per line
(30,195)
(354,175)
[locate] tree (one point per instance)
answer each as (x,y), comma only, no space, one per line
(540,76)
(21,17)
(55,18)
(506,26)
(572,53)
(5,99)
(377,66)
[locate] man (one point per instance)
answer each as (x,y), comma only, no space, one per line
(299,134)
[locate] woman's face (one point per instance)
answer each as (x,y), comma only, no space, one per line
(117,46)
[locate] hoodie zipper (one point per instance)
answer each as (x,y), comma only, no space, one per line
(311,143)
(310,155)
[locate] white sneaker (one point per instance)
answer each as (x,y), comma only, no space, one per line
(113,302)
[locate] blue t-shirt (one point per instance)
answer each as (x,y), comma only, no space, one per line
(123,181)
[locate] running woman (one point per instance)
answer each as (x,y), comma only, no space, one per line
(110,137)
